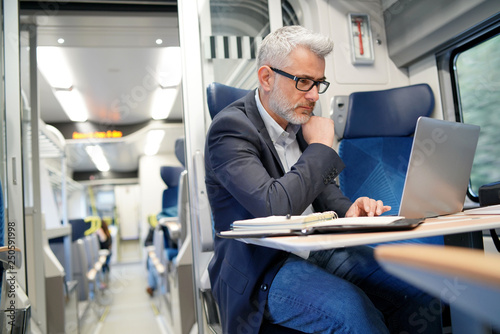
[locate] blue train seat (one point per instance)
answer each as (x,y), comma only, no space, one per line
(87,259)
(179,151)
(170,175)
(169,232)
(218,97)
(375,131)
(78,228)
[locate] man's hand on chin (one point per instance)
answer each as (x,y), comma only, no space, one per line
(319,130)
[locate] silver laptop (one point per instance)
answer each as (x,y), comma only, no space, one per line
(439,168)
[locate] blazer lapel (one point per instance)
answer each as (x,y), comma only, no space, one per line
(254,116)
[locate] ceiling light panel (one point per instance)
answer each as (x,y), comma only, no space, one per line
(54,67)
(168,71)
(73,104)
(97,155)
(163,102)
(154,139)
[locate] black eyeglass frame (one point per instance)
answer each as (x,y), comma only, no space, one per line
(296,79)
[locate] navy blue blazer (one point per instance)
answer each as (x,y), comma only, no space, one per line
(245,179)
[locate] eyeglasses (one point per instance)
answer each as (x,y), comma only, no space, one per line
(305,84)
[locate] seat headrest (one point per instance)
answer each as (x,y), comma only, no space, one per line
(170,175)
(220,96)
(385,113)
(179,151)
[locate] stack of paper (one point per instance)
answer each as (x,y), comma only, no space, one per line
(284,222)
(316,222)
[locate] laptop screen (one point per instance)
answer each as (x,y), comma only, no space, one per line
(439,168)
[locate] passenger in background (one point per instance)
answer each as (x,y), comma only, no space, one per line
(267,154)
(105,241)
(152,282)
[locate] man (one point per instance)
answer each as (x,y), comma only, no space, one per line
(266,154)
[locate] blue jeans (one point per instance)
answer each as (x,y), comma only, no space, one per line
(346,291)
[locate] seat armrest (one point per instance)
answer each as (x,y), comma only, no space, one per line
(159,267)
(173,226)
(91,274)
(205,281)
(98,266)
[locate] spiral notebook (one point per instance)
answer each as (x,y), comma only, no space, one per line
(324,222)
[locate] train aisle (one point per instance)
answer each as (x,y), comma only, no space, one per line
(127,308)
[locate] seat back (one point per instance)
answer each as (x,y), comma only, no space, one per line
(159,243)
(89,251)
(170,175)
(183,208)
(170,206)
(79,265)
(220,96)
(182,195)
(375,131)
(78,228)
(203,246)
(96,246)
(179,150)
(203,223)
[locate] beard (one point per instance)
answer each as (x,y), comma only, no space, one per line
(280,105)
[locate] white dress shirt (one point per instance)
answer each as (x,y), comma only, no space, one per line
(285,141)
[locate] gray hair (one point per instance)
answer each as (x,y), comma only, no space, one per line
(276,47)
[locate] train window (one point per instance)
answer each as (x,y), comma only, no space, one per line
(477,76)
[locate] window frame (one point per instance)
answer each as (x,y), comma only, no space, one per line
(446,59)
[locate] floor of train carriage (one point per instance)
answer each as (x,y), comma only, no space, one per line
(126,307)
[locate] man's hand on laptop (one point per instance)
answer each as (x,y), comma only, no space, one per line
(365,206)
